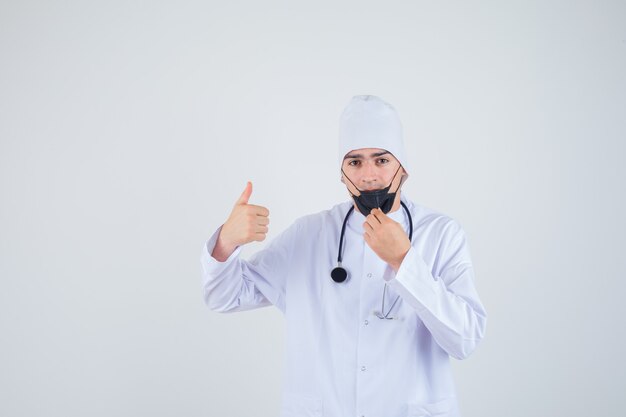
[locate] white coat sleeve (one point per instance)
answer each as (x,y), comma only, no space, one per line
(239,285)
(445,297)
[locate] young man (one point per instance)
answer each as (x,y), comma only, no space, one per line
(377,293)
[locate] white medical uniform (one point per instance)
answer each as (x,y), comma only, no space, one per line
(341,359)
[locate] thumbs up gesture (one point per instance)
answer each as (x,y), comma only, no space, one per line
(246,223)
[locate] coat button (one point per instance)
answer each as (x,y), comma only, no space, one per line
(367,322)
(369,275)
(363,368)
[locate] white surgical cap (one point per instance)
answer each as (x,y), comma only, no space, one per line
(369,122)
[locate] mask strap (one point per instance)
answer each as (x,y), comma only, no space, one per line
(344,174)
(394,177)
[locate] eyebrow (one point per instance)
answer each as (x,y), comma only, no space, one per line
(358,155)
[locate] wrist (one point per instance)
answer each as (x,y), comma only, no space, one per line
(398,262)
(223,250)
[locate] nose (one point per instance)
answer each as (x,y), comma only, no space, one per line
(370,177)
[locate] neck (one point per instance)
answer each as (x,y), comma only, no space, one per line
(396,203)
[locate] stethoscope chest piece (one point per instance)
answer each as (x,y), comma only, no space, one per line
(339,274)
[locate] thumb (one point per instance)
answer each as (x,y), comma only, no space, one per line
(245,196)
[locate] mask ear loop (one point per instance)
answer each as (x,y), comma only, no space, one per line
(357,188)
(393,178)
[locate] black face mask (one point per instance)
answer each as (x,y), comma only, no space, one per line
(369,200)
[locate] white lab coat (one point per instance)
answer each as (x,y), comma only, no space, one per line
(341,359)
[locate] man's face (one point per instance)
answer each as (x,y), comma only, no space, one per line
(370,169)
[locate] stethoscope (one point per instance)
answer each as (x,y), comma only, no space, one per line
(339,273)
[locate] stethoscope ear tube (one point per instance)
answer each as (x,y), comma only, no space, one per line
(339,273)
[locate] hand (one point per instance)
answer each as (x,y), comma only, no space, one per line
(386,237)
(246,223)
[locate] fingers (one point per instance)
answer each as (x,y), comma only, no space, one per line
(254,231)
(245,196)
(378,215)
(259,228)
(259,221)
(260,232)
(372,221)
(258,210)
(258,215)
(260,237)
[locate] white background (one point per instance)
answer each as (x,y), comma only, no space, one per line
(129,128)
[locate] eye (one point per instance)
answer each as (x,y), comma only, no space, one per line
(383,161)
(354,163)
